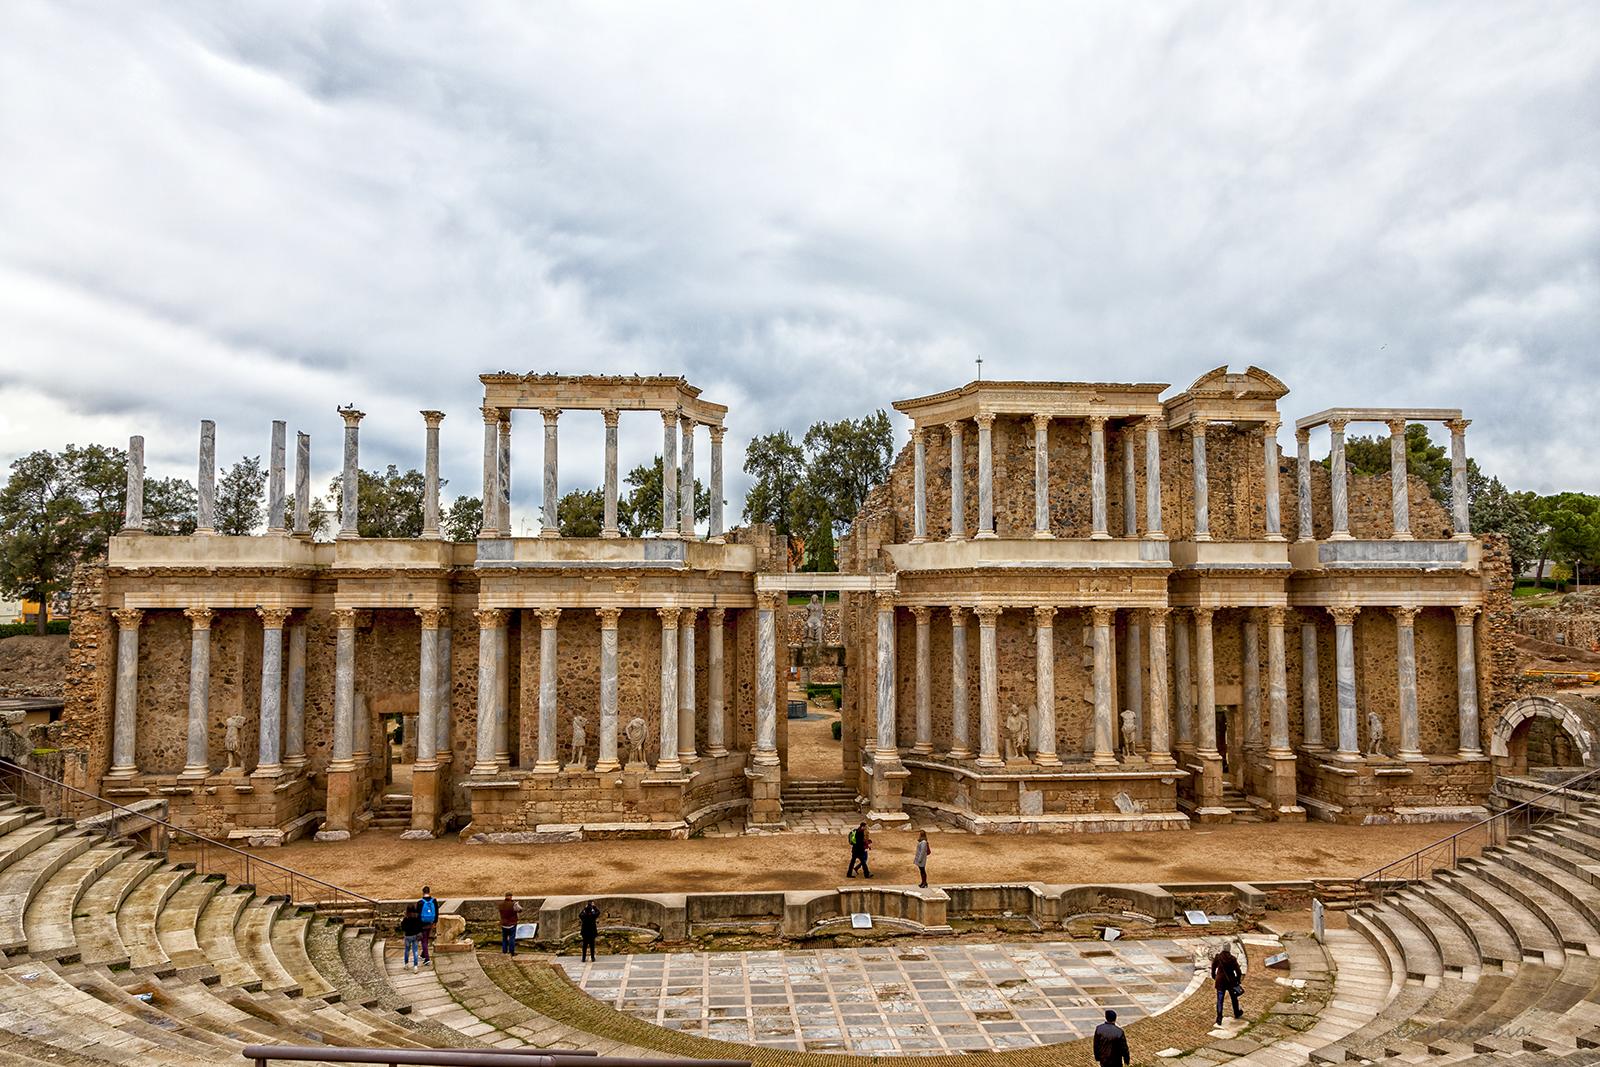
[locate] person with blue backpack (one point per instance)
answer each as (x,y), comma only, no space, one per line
(428,912)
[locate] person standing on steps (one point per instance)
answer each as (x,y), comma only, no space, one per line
(921,858)
(860,842)
(589,928)
(1110,1043)
(411,930)
(428,912)
(509,913)
(1229,977)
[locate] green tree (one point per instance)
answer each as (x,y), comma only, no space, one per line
(581,513)
(169,505)
(1572,522)
(1426,460)
(388,503)
(239,505)
(44,523)
(639,512)
(319,518)
(100,481)
(464,519)
(813,526)
(846,460)
(778,467)
(1492,508)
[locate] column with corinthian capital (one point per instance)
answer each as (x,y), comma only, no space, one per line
(715,531)
(686,688)
(1269,444)
(924,739)
(350,479)
(958,473)
(342,796)
(1044,674)
(988,686)
(1152,479)
(430,476)
(669,473)
(269,752)
(1399,489)
(887,749)
(1471,744)
(765,752)
(1160,726)
(1344,661)
(1041,476)
(548,761)
(667,762)
(1105,752)
(1460,516)
(198,761)
(1341,489)
(960,709)
(609,529)
(607,758)
(985,421)
(1405,639)
(1302,440)
(491,624)
(1202,489)
(716,712)
(1097,478)
(549,521)
(490,522)
(919,485)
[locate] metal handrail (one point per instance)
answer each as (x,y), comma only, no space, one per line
(505,1057)
(1490,824)
(205,843)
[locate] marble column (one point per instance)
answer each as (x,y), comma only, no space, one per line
(125,715)
(924,742)
(609,529)
(207,514)
(344,690)
(686,687)
(1405,638)
(668,762)
(1160,727)
(1269,445)
(302,484)
(1097,478)
(1180,679)
(491,473)
(1302,439)
(1341,490)
(491,621)
(985,422)
(919,485)
(428,688)
(197,763)
(988,687)
(133,501)
(1133,674)
(1105,745)
(549,760)
(715,532)
(549,520)
(886,748)
(1202,489)
(607,759)
(430,475)
(958,493)
(766,749)
(716,712)
(669,474)
(960,709)
(441,717)
(1344,662)
(1152,479)
(269,753)
(350,478)
(294,721)
(1250,703)
(686,478)
(1041,476)
(275,472)
(1460,512)
(1130,481)
(1277,685)
(1399,491)
(1310,686)
(1467,682)
(1043,726)
(503,474)
(502,694)
(1205,699)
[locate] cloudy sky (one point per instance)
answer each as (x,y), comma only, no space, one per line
(253,211)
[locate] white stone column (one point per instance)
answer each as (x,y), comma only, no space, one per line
(887,747)
(985,422)
(919,485)
(960,708)
(125,716)
(686,687)
(1344,662)
(1133,672)
(1310,686)
(1467,682)
(133,501)
(716,711)
(491,621)
(1152,479)
(549,674)
(430,475)
(1302,439)
(442,714)
(1405,637)
(1105,747)
(1097,478)
(924,742)
(1269,446)
(1277,685)
(668,762)
(1041,476)
(1043,726)
(1399,494)
(1341,489)
(502,695)
(1202,489)
(503,473)
(344,690)
(1160,727)
(669,474)
(197,763)
(428,688)
(350,479)
(207,515)
(1460,511)
(491,473)
(715,532)
(1181,679)
(269,752)
(1130,481)
(1250,709)
(766,750)
(1205,700)
(294,721)
(302,484)
(610,527)
(609,617)
(686,478)
(958,495)
(549,521)
(275,472)
(988,687)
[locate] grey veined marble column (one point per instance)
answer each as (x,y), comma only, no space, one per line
(958,492)
(197,763)
(1460,515)
(686,478)
(686,687)
(133,501)
(123,726)
(503,474)
(294,721)
(1302,440)
(275,473)
(549,673)
(502,695)
(1160,727)
(1104,744)
(1097,478)
(985,476)
(1180,679)
(668,762)
(491,473)
(715,532)
(1269,445)
(344,690)
(349,485)
(1344,662)
(609,617)
(716,710)
(669,474)
(269,753)
(1310,686)
(1341,490)
(1152,478)
(1133,658)
(924,709)
(1044,676)
(988,687)
(1130,481)
(609,529)
(442,713)
(1250,709)
(1202,488)
(549,523)
(1277,685)
(887,747)
(1041,476)
(1467,681)
(1405,634)
(960,709)
(1205,671)
(302,484)
(491,622)
(1399,493)
(919,486)
(428,688)
(207,516)
(766,750)
(430,474)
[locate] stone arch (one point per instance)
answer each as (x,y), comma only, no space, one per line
(1508,742)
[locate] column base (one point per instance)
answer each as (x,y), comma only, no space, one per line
(124,772)
(1100,535)
(610,533)
(961,536)
(1104,759)
(427,534)
(922,748)
(668,767)
(549,532)
(1046,759)
(484,770)
(1304,540)
(1401,537)
(294,763)
(716,539)
(959,753)
(1043,535)
(990,762)
(764,759)
(917,541)
(1155,535)
(601,767)
(986,535)
(1344,756)
(268,770)
(1275,537)
(1471,754)
(550,766)
(1411,757)
(1162,759)
(687,758)
(1340,535)
(193,770)
(1202,537)
(1463,537)
(716,752)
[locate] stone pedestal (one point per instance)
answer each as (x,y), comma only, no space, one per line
(1206,780)
(340,807)
(1283,788)
(883,783)
(427,803)
(765,781)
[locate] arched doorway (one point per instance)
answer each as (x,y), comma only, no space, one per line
(1543,732)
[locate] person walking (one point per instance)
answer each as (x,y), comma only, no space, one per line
(921,858)
(411,930)
(589,928)
(860,842)
(1229,977)
(509,913)
(1110,1043)
(428,912)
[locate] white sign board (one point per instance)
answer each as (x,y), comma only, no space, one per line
(527,931)
(1316,919)
(1111,934)
(1197,918)
(860,920)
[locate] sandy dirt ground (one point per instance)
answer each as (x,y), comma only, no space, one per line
(377,863)
(813,753)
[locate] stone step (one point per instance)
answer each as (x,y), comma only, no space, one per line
(254,934)
(1537,941)
(288,937)
(1495,945)
(48,920)
(52,1012)
(136,920)
(120,995)
(1574,931)
(178,924)
(22,880)
(1457,951)
(1418,955)
(94,923)
(215,934)
(22,841)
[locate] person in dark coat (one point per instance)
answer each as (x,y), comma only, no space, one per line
(1229,977)
(860,841)
(1110,1043)
(510,913)
(589,928)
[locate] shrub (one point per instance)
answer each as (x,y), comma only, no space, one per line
(838,730)
(23,629)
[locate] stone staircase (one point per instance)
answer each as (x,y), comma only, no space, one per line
(392,811)
(809,796)
(1236,802)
